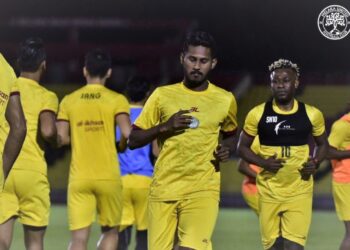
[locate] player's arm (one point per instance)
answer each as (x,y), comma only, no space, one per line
(124,124)
(63,133)
(155,148)
(321,150)
(320,153)
(226,147)
(336,154)
(243,168)
(244,151)
(48,128)
(15,117)
(176,124)
(339,131)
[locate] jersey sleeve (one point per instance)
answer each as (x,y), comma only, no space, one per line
(252,120)
(50,102)
(122,105)
(63,114)
(230,122)
(14,88)
(339,131)
(150,114)
(10,75)
(317,120)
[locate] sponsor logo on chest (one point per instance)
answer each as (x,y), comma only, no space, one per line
(280,125)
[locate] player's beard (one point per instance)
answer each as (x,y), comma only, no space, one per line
(191,82)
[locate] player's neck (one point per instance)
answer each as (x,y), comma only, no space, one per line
(95,80)
(35,76)
(196,86)
(140,103)
(285,106)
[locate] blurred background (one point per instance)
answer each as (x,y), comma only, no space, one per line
(145,38)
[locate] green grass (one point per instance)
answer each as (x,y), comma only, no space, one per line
(236,229)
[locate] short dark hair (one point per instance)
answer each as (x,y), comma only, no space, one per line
(98,62)
(200,38)
(31,54)
(137,88)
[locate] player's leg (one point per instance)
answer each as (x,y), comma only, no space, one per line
(34,237)
(162,222)
(269,222)
(345,245)
(295,223)
(81,212)
(34,207)
(197,219)
(140,201)
(124,238)
(108,239)
(128,217)
(9,208)
(6,233)
(290,245)
(80,238)
(141,240)
(109,199)
(341,195)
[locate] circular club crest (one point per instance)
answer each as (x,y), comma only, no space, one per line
(334,22)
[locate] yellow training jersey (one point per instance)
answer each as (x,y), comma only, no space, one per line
(91,112)
(7,87)
(35,99)
(183,168)
(286,184)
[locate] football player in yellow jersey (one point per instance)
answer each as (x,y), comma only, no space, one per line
(339,153)
(26,191)
(187,118)
(11,114)
(86,120)
(285,183)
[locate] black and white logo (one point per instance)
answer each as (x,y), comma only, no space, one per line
(333,22)
(281,126)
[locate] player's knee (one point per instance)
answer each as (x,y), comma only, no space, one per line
(79,239)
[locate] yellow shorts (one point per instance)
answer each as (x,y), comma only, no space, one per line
(86,197)
(253,201)
(135,200)
(341,195)
(291,220)
(193,219)
(26,196)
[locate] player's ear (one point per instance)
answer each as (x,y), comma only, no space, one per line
(109,73)
(182,56)
(213,63)
(43,65)
(296,83)
(85,72)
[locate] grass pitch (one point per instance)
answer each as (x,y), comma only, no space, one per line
(235,229)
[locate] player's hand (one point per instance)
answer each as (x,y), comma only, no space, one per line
(308,169)
(272,164)
(222,153)
(177,122)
